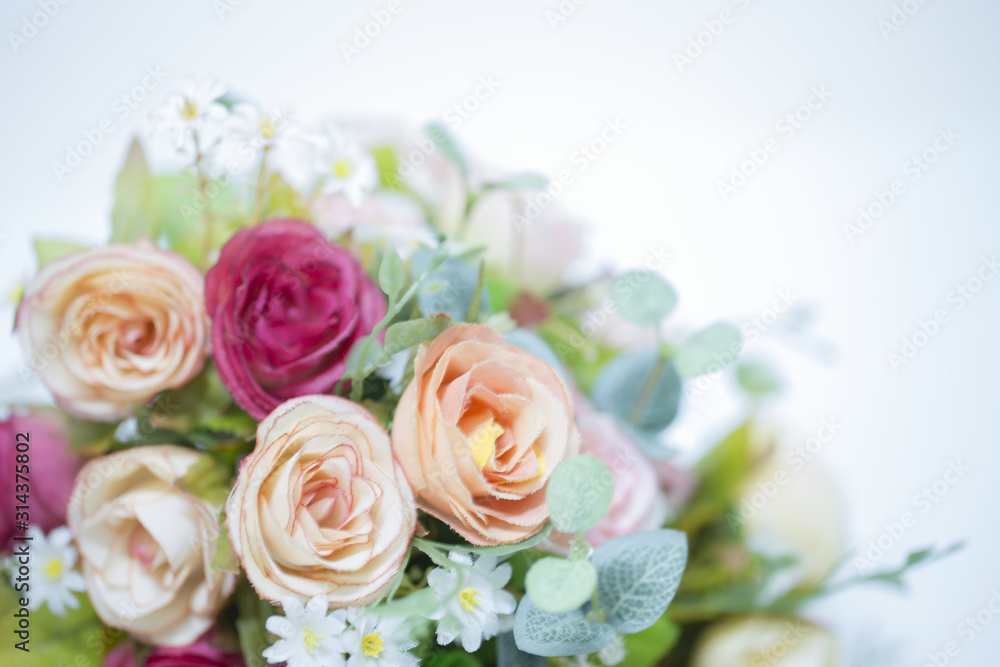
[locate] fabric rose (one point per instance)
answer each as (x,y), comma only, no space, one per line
(199,654)
(147,545)
(51,461)
(111,327)
(286,306)
(321,507)
(765,640)
(478,432)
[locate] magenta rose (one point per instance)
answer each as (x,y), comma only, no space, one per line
(199,654)
(286,306)
(52,468)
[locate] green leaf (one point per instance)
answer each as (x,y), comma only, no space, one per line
(643,297)
(558,585)
(404,335)
(509,655)
(579,493)
(498,551)
(638,575)
(648,647)
(624,384)
(446,144)
(47,250)
(454,658)
(391,272)
(709,350)
(253,614)
(388,166)
(376,358)
(225,559)
(520,181)
(757,379)
(542,633)
(724,468)
(134,214)
(207,479)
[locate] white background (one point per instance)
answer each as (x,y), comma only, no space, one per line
(688,128)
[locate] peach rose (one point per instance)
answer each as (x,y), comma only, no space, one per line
(479,431)
(114,326)
(146,545)
(320,507)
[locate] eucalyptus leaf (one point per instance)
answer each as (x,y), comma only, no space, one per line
(559,585)
(457,292)
(543,633)
(521,181)
(499,550)
(509,655)
(47,250)
(757,379)
(643,297)
(446,144)
(404,335)
(638,575)
(709,350)
(621,382)
(579,493)
(536,346)
(391,272)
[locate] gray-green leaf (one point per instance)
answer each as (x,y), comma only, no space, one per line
(643,297)
(443,140)
(579,493)
(403,335)
(619,384)
(559,585)
(542,633)
(756,378)
(709,350)
(391,272)
(638,575)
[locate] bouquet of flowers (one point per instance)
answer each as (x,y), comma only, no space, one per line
(328,396)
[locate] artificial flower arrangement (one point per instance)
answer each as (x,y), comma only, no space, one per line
(327,398)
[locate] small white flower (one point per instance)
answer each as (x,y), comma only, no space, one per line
(345,167)
(309,636)
(195,109)
(373,641)
(52,579)
(470,598)
(257,127)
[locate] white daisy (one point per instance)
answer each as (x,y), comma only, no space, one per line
(195,109)
(373,641)
(52,579)
(345,166)
(309,636)
(470,599)
(257,127)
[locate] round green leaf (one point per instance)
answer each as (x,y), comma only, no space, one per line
(757,378)
(710,350)
(558,585)
(540,632)
(579,493)
(643,297)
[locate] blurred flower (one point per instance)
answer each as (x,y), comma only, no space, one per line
(51,460)
(194,110)
(309,637)
(286,307)
(478,432)
(53,576)
(536,252)
(146,544)
(111,327)
(470,598)
(761,640)
(256,127)
(383,218)
(345,166)
(372,641)
(199,654)
(320,506)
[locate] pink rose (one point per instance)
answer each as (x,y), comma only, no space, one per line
(286,306)
(50,461)
(112,327)
(199,654)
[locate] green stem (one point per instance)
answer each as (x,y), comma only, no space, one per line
(439,557)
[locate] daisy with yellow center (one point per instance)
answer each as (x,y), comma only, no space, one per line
(51,562)
(470,595)
(309,636)
(374,641)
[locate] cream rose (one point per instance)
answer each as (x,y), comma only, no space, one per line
(765,640)
(146,545)
(479,431)
(320,507)
(112,327)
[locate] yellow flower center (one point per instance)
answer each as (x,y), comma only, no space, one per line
(267,128)
(53,568)
(372,644)
(311,640)
(469,599)
(343,168)
(483,441)
(189,110)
